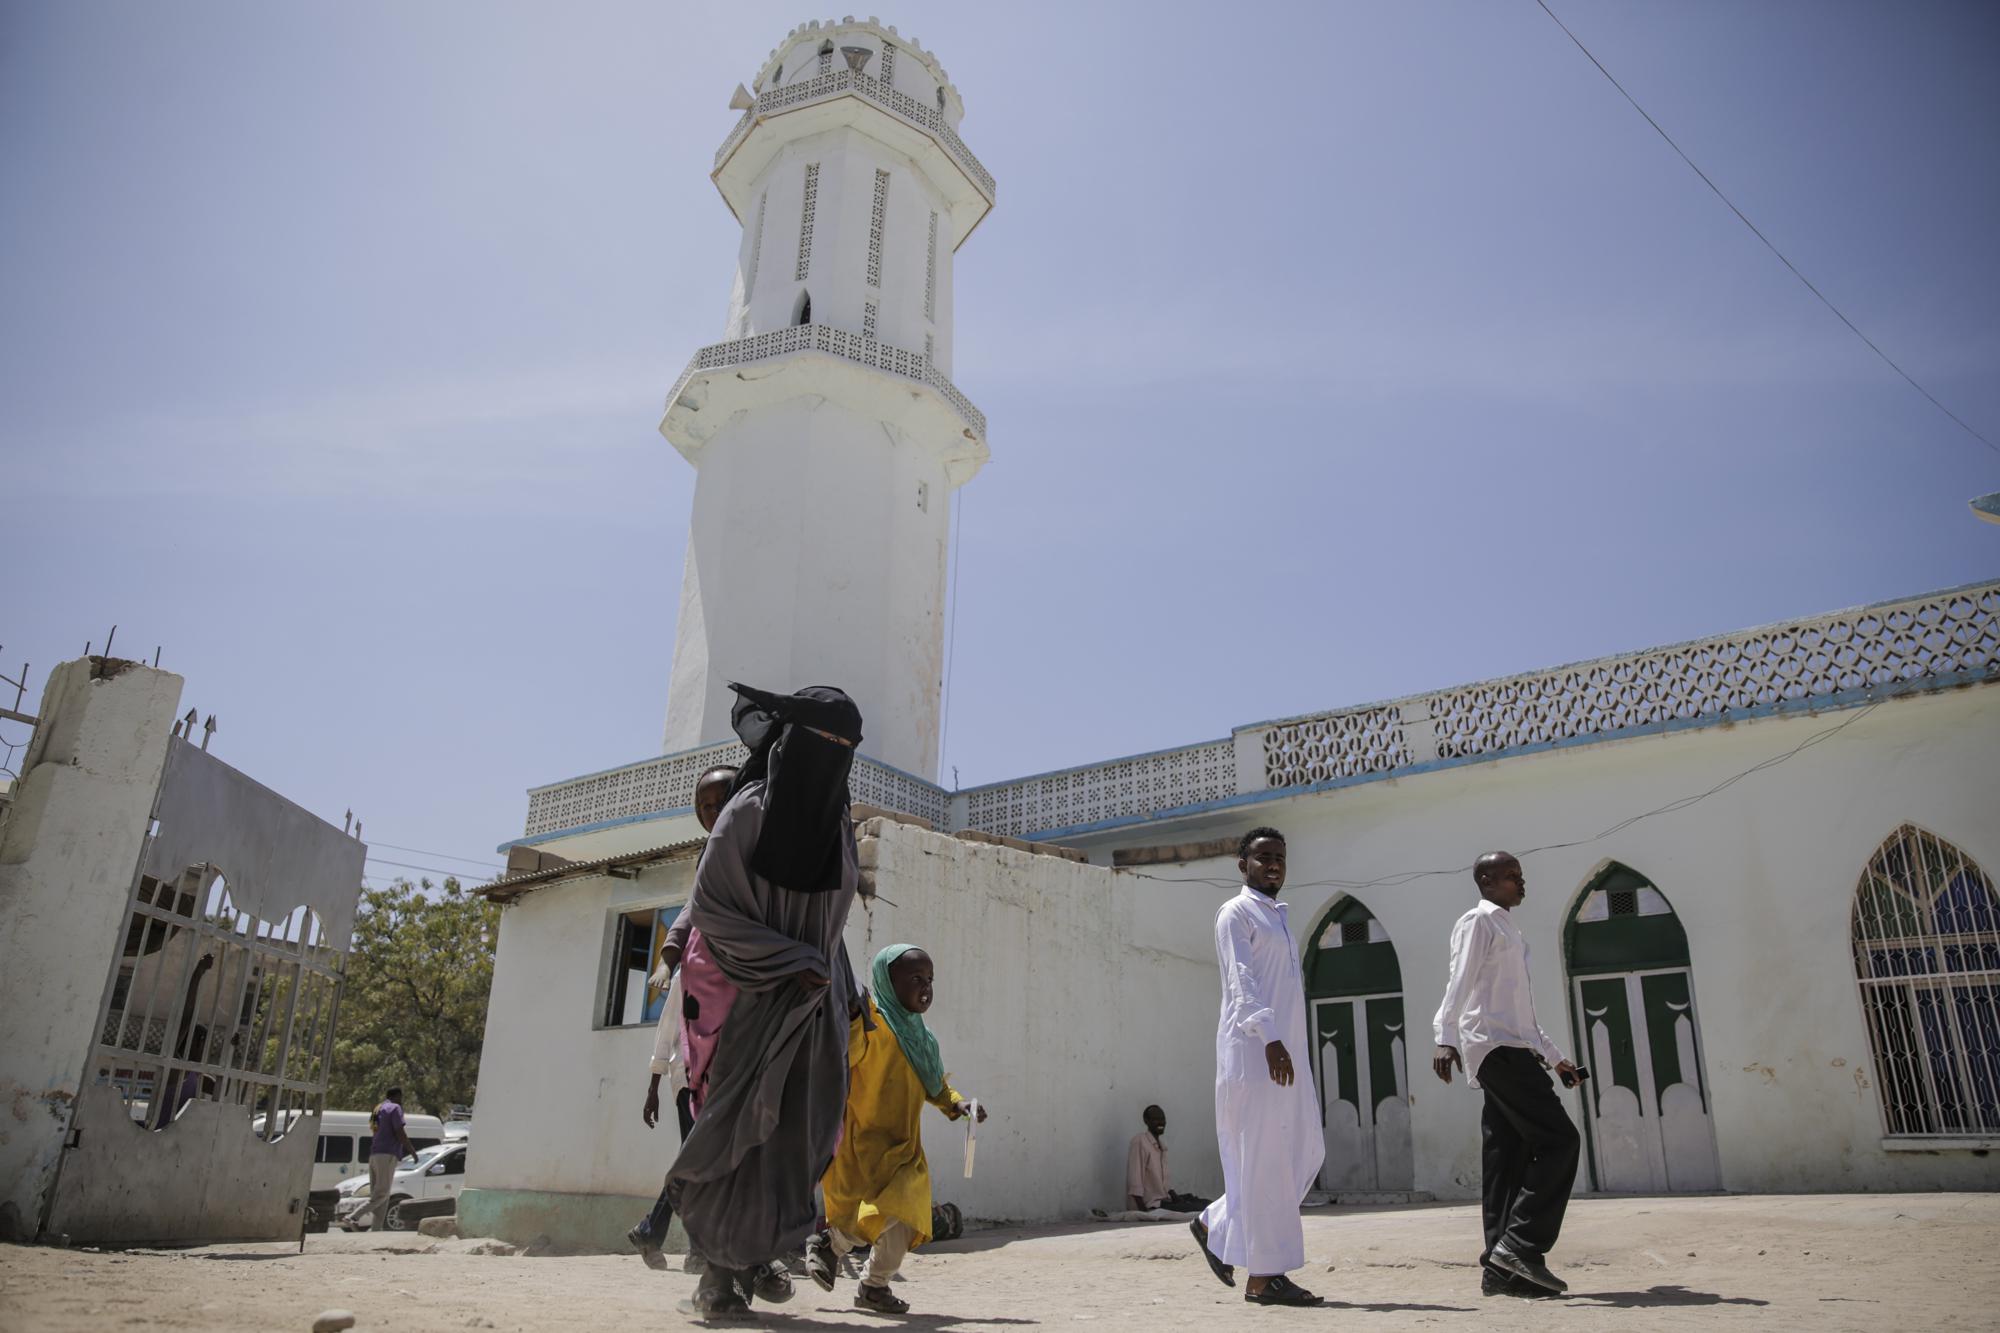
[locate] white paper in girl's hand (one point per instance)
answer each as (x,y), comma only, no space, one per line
(971,1133)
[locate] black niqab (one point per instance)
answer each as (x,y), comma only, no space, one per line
(805,777)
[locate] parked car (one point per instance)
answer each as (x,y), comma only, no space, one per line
(342,1153)
(427,1188)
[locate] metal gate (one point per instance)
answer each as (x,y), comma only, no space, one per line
(199,1113)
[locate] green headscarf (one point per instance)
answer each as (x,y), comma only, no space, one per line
(920,1048)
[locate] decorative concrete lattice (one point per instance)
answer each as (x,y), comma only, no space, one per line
(888,65)
(1335,745)
(869,313)
(666,783)
(879,785)
(930,274)
(806,222)
(930,348)
(837,342)
(877,213)
(825,59)
(1852,651)
(1145,785)
(848,83)
(655,786)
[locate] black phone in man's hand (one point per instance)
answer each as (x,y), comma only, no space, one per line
(1570,1080)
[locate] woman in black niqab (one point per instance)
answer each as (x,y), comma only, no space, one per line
(802,749)
(771,897)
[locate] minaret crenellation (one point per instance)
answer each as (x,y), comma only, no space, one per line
(825,430)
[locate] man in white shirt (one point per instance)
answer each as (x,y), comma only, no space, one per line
(1266,1117)
(1487,1027)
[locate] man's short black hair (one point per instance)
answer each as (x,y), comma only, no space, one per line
(1261,831)
(725,772)
(393,1095)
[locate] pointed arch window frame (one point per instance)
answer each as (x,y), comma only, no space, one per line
(1937,1065)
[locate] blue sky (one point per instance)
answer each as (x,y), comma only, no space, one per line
(1332,351)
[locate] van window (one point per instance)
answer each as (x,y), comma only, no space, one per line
(454,1164)
(337,1149)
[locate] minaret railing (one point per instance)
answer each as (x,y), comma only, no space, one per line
(852,83)
(831,341)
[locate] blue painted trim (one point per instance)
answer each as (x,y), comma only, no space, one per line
(1823,704)
(592,828)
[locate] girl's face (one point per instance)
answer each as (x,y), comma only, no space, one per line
(911,977)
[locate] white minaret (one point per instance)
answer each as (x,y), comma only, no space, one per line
(826,434)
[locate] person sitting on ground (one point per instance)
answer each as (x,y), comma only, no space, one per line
(878,1190)
(1146,1182)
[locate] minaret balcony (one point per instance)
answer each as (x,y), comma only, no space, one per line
(849,97)
(898,387)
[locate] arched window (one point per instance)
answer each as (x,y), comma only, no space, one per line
(1926,935)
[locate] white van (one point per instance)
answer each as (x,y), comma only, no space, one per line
(344,1138)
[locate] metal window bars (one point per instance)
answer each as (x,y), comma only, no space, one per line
(1926,935)
(208,1002)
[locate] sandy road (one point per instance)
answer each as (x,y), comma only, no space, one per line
(1895,1263)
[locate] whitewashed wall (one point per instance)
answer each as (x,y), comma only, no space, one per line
(69,848)
(1067,996)
(1762,876)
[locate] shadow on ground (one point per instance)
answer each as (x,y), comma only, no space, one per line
(1659,1296)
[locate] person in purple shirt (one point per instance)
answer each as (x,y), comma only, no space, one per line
(391,1144)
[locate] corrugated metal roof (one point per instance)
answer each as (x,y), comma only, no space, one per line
(510,887)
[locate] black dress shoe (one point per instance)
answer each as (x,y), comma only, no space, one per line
(1493,1282)
(1532,1270)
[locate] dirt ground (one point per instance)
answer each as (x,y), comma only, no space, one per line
(1908,1263)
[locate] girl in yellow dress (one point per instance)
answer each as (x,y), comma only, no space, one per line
(878,1190)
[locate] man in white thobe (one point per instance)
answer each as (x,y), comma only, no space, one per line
(1266,1117)
(1486,1025)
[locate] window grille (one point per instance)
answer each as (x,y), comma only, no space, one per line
(806,223)
(1354,932)
(1926,933)
(1624,902)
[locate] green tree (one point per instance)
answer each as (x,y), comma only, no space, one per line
(414,1011)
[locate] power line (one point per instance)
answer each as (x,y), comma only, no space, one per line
(1755,231)
(434,870)
(1401,877)
(420,851)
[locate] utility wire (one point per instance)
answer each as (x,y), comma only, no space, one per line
(445,855)
(1679,803)
(1755,231)
(434,870)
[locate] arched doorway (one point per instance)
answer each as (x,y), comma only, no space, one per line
(1649,1122)
(1355,989)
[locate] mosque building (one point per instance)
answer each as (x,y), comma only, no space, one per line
(1761,864)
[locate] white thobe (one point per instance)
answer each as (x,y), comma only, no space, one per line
(1488,1000)
(1269,1136)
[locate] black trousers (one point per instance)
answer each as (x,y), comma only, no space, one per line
(655,1225)
(1528,1153)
